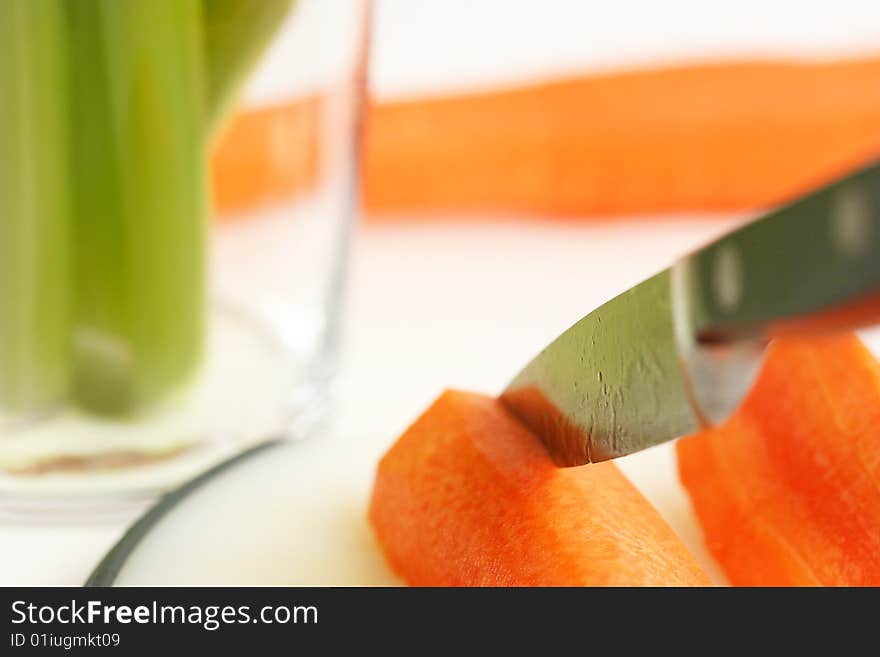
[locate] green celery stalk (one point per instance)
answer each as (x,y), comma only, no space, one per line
(34,207)
(236,33)
(151,79)
(140,199)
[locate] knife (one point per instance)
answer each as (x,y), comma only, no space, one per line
(679,351)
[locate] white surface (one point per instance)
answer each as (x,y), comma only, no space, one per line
(437,306)
(294,515)
(423,46)
(432,306)
(317,45)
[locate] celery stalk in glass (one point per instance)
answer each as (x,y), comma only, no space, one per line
(34,207)
(140,198)
(236,33)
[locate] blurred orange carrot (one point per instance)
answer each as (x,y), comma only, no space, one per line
(715,137)
(266,155)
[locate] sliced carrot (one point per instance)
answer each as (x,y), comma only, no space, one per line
(715,137)
(468,496)
(265,156)
(788,490)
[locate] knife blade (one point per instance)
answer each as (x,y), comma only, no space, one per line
(680,350)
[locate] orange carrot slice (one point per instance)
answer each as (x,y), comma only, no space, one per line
(718,137)
(788,490)
(468,496)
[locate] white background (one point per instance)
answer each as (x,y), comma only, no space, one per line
(436,305)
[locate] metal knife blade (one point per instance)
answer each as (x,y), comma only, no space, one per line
(612,383)
(681,349)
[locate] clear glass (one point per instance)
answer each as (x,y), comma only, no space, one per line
(281,173)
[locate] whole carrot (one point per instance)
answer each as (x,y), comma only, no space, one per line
(715,137)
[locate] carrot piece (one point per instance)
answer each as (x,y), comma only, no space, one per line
(718,137)
(265,156)
(468,496)
(788,490)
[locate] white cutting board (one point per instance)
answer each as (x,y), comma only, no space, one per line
(432,305)
(296,515)
(464,306)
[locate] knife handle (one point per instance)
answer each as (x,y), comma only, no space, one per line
(812,266)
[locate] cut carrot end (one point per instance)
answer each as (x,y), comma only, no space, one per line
(787,490)
(469,497)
